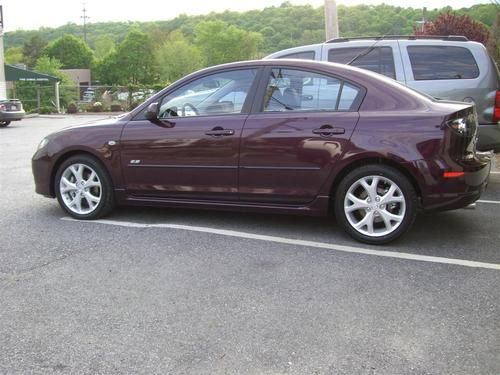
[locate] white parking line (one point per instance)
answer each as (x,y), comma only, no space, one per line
(486,201)
(289,241)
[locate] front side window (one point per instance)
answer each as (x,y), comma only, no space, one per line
(298,90)
(216,94)
(379,59)
(442,62)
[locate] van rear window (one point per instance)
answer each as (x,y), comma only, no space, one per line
(442,62)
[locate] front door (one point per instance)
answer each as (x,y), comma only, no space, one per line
(193,152)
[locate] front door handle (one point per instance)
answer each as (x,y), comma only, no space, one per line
(219,131)
(328,131)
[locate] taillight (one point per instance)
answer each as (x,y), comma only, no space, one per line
(496,109)
(464,124)
(2,107)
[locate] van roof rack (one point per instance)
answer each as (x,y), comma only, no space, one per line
(452,38)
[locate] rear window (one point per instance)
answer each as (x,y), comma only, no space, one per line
(378,59)
(306,55)
(442,62)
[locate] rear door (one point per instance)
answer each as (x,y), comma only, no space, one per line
(298,129)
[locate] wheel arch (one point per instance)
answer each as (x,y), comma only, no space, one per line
(65,156)
(339,176)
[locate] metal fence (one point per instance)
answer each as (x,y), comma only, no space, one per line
(41,98)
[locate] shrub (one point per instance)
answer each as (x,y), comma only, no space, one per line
(97,107)
(72,108)
(46,110)
(116,108)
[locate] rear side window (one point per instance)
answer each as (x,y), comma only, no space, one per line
(299,90)
(378,59)
(306,55)
(442,62)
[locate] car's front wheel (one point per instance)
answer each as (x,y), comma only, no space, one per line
(375,204)
(83,188)
(3,124)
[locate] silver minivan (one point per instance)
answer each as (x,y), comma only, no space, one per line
(450,68)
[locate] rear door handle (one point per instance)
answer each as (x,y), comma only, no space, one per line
(220,132)
(328,131)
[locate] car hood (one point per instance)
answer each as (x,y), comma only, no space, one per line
(109,121)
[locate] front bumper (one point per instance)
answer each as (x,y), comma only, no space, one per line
(42,173)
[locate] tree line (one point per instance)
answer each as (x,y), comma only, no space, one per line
(144,53)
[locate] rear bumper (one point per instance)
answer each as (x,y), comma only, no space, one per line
(453,193)
(11,115)
(488,137)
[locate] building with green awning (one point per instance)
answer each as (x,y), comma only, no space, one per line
(14,73)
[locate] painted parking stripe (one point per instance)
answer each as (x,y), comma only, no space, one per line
(290,241)
(486,201)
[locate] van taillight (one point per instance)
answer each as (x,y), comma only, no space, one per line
(496,110)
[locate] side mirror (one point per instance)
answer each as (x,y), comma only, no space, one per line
(151,114)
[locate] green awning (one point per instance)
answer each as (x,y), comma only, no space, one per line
(13,73)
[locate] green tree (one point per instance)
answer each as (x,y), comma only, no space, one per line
(177,57)
(14,55)
(33,49)
(103,46)
(221,43)
(72,52)
(133,63)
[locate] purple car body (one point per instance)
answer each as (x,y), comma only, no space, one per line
(289,161)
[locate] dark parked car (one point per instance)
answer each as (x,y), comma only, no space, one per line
(10,110)
(283,136)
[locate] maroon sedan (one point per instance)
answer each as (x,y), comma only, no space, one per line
(283,136)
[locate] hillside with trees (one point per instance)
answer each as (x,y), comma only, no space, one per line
(156,53)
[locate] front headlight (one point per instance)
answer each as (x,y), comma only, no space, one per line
(43,143)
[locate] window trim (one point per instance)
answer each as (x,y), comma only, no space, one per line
(258,104)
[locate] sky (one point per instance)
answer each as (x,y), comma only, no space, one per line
(32,14)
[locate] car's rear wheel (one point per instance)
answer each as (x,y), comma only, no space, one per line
(3,124)
(375,204)
(83,188)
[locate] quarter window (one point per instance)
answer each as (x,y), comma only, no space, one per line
(216,94)
(297,90)
(306,55)
(442,62)
(378,59)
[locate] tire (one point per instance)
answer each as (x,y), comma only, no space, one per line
(83,188)
(4,124)
(375,204)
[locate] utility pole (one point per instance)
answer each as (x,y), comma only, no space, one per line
(85,18)
(422,23)
(331,20)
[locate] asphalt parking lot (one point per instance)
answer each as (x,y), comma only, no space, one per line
(170,291)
